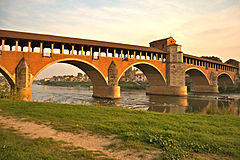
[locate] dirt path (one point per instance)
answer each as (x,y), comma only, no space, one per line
(84,140)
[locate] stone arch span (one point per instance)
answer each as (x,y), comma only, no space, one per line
(95,75)
(225,79)
(8,76)
(197,76)
(153,74)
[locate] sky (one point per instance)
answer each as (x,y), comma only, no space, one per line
(202,27)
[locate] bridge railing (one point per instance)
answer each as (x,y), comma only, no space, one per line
(202,62)
(48,49)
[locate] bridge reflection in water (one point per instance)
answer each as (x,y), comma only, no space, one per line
(137,99)
(202,104)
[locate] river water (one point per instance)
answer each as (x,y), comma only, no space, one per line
(137,99)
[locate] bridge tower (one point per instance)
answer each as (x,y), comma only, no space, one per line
(175,69)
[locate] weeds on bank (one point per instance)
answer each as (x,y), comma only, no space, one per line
(5,91)
(229,89)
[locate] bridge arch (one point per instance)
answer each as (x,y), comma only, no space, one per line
(225,79)
(153,74)
(8,76)
(94,74)
(197,76)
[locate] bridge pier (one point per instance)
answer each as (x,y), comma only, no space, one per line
(22,78)
(25,93)
(111,92)
(168,90)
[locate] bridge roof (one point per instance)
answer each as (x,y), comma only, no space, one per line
(208,60)
(68,40)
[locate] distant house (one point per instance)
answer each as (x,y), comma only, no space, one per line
(46,79)
(140,77)
(133,75)
(234,63)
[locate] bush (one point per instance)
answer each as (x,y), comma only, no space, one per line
(4,91)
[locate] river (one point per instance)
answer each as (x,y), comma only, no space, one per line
(137,99)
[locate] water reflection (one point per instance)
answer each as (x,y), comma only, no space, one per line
(137,99)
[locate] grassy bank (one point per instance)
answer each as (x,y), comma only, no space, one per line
(229,89)
(177,135)
(67,84)
(132,85)
(123,85)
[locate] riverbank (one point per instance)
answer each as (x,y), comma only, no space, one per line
(176,135)
(229,89)
(123,85)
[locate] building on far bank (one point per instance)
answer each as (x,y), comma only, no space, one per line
(133,75)
(68,78)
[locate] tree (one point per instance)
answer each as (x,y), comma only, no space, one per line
(212,58)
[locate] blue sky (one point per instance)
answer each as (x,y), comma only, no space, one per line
(202,27)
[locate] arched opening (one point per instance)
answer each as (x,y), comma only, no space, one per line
(69,81)
(224,80)
(195,77)
(143,73)
(6,84)
(92,72)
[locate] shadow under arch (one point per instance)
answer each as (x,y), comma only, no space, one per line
(6,74)
(197,76)
(225,79)
(94,74)
(153,74)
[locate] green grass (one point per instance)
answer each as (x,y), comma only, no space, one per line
(132,85)
(177,135)
(229,89)
(67,84)
(15,147)
(123,85)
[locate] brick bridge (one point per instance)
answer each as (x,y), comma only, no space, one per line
(24,55)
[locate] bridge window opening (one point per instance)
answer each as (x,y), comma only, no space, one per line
(74,52)
(103,54)
(148,58)
(95,55)
(56,51)
(110,54)
(7,48)
(47,52)
(25,49)
(173,58)
(14,48)
(35,49)
(88,53)
(65,51)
